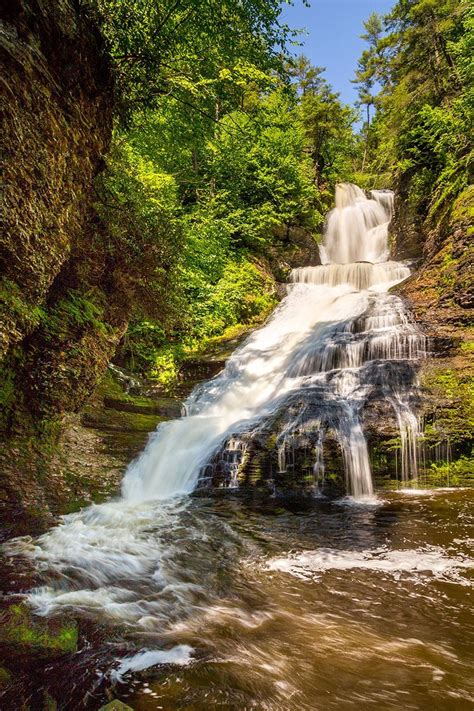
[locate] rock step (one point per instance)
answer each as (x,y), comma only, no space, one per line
(165,407)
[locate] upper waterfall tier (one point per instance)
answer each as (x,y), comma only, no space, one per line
(357,228)
(361,275)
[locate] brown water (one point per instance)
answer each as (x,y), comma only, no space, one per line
(304,606)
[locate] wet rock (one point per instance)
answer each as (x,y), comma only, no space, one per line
(44,636)
(116,705)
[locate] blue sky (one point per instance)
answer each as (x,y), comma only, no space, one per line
(332,39)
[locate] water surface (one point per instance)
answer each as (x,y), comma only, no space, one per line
(242,605)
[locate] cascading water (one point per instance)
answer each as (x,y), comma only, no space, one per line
(330,343)
(203,602)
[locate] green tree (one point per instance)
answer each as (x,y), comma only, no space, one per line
(420,133)
(327,125)
(222,149)
(369,72)
(189,50)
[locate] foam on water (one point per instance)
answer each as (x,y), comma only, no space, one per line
(431,560)
(180,655)
(411,491)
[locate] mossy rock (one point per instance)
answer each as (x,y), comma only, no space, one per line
(114,420)
(450,405)
(53,636)
(166,407)
(116,705)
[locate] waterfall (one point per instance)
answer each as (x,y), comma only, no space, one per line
(336,342)
(332,344)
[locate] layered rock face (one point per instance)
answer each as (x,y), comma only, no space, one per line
(440,295)
(62,305)
(57,125)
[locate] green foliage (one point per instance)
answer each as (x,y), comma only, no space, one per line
(74,313)
(454,394)
(199,202)
(456,473)
(166,363)
(12,302)
(196,52)
(222,147)
(243,294)
(138,202)
(421,131)
(463,209)
(327,127)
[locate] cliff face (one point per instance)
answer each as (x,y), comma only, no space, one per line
(440,295)
(63,305)
(57,124)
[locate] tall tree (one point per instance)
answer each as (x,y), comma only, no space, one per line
(368,72)
(189,49)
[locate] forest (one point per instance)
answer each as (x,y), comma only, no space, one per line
(236,377)
(216,164)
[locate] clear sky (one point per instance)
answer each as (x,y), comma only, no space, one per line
(332,39)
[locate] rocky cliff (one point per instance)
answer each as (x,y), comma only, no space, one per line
(62,305)
(440,295)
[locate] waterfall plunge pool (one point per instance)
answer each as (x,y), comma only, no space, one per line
(208,603)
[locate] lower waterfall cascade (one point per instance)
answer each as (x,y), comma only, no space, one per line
(337,339)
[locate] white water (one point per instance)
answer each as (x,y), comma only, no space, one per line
(311,564)
(335,316)
(254,383)
(180,655)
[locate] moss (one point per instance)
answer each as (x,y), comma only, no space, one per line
(463,208)
(13,303)
(467,347)
(20,629)
(115,705)
(271,442)
(5,676)
(447,272)
(110,419)
(452,409)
